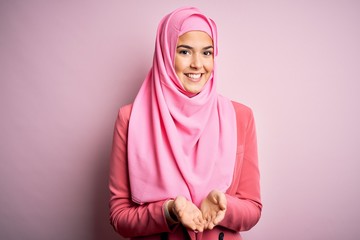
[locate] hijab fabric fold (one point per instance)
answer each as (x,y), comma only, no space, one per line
(178,143)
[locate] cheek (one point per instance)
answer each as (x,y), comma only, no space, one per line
(210,66)
(178,65)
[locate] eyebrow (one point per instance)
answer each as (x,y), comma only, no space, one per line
(189,47)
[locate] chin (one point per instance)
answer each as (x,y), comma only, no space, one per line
(193,91)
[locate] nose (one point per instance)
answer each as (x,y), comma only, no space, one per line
(196,62)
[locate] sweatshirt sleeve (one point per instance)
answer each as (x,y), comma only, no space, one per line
(243,197)
(128,218)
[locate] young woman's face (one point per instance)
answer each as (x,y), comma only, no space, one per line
(194,60)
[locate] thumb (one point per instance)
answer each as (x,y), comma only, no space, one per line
(222,201)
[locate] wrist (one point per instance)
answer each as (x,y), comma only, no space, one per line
(169,213)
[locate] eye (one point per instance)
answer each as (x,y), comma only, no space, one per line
(184,52)
(208,53)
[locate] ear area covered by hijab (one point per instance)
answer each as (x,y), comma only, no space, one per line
(179,145)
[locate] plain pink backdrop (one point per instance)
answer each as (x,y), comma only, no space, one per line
(67,66)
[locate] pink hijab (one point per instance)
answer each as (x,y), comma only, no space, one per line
(179,144)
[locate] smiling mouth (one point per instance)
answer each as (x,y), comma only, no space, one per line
(194,76)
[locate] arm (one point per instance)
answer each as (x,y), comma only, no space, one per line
(243,197)
(128,218)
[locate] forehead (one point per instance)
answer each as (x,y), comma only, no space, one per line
(195,38)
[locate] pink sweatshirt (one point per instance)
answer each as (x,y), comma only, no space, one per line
(148,221)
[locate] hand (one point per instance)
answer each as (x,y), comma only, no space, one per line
(213,208)
(187,213)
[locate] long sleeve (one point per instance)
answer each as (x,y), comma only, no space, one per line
(243,197)
(128,218)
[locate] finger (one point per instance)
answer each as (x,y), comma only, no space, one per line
(205,214)
(200,219)
(200,228)
(190,224)
(213,215)
(197,221)
(219,218)
(196,227)
(222,204)
(193,227)
(211,225)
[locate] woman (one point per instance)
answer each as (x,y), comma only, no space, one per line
(184,159)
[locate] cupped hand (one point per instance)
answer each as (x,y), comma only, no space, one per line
(188,214)
(213,208)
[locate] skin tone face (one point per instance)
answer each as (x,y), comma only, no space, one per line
(194,60)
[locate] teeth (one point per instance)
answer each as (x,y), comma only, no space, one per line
(193,76)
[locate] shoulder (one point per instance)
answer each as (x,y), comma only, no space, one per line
(126,110)
(244,116)
(245,122)
(124,113)
(242,110)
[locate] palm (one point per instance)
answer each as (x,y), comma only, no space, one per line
(188,214)
(213,208)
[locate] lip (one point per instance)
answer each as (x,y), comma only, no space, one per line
(194,79)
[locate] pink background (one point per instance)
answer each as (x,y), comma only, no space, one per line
(67,66)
